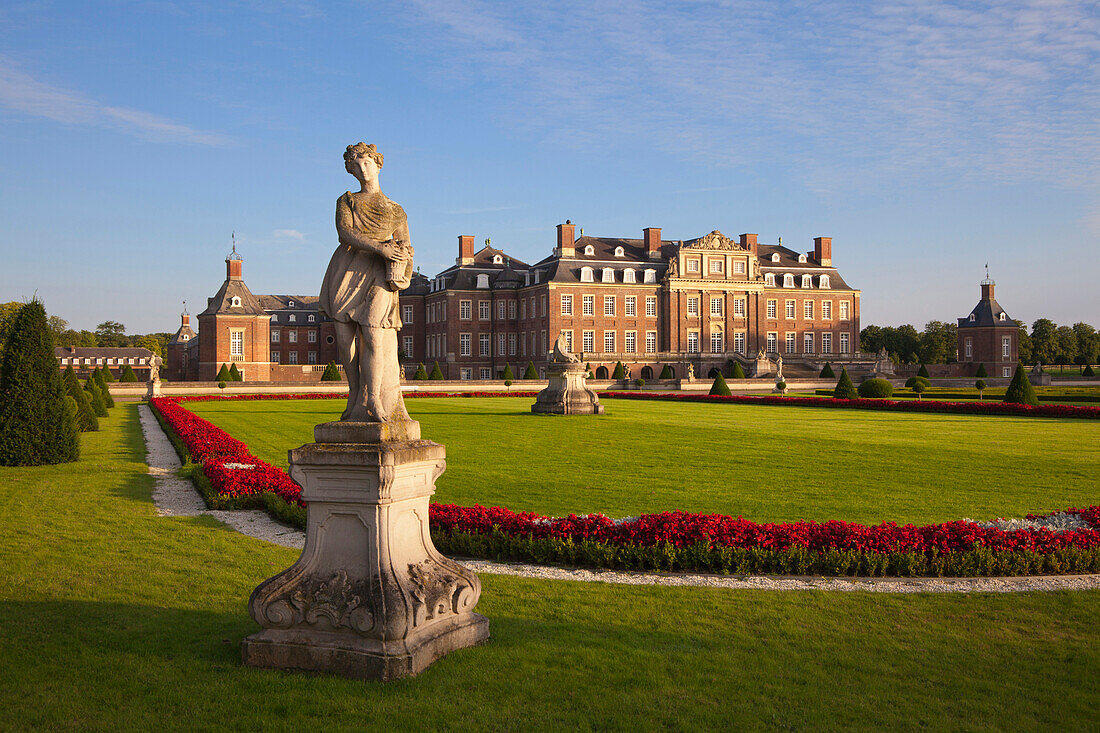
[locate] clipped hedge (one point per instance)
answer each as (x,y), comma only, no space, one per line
(875,389)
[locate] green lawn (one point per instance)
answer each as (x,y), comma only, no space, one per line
(763,462)
(114,618)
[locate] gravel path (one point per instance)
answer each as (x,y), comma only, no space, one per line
(175,496)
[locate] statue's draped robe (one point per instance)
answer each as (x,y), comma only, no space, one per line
(354,288)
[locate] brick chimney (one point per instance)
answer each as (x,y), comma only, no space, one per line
(652,238)
(823,251)
(566,238)
(749,241)
(233,267)
(465,249)
(185,320)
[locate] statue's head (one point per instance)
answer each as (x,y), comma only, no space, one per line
(360,150)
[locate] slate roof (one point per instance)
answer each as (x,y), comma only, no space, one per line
(220,303)
(96,352)
(788,263)
(183,331)
(987,313)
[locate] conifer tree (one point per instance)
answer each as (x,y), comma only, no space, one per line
(332,374)
(1088,371)
(531,372)
(99,407)
(923,371)
(981,371)
(437,373)
(666,373)
(108,377)
(234,373)
(1020,390)
(101,382)
(36,424)
(720,387)
(421,372)
(620,371)
(223,375)
(827,372)
(508,376)
(845,390)
(128,375)
(85,420)
(738,372)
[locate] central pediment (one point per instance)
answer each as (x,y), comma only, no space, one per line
(715,240)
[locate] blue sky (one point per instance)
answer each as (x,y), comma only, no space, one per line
(927,138)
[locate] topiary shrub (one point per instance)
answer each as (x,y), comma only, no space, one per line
(221,384)
(234,372)
(639,382)
(437,373)
(981,371)
(421,372)
(876,389)
(37,420)
(923,371)
(99,407)
(507,382)
(86,420)
(331,373)
(845,390)
(128,375)
(531,372)
(781,385)
(223,374)
(666,373)
(1020,390)
(620,372)
(508,376)
(980,386)
(827,372)
(919,388)
(738,372)
(720,387)
(1088,371)
(918,380)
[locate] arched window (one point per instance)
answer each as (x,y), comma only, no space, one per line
(775,257)
(586,274)
(788,280)
(608,275)
(619,252)
(824,281)
(483,281)
(601,372)
(629,277)
(589,249)
(235,302)
(1002,316)
(769,279)
(650,276)
(808,281)
(498,260)
(802,258)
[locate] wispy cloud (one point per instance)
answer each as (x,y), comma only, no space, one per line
(22,92)
(833,91)
(288,234)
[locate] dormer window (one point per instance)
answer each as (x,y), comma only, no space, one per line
(650,276)
(292,318)
(586,275)
(769,279)
(589,250)
(235,302)
(788,280)
(802,258)
(483,281)
(608,275)
(290,304)
(1002,317)
(275,318)
(775,257)
(311,318)
(808,281)
(527,278)
(619,252)
(629,276)
(823,281)
(184,337)
(498,260)
(972,318)
(537,273)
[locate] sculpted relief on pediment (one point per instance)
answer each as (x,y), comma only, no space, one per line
(715,240)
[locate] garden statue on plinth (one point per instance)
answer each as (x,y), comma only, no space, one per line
(762,366)
(370,597)
(154,377)
(567,393)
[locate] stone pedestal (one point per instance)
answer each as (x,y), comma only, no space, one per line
(370,597)
(567,393)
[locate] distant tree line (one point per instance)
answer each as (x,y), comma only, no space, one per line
(1047,342)
(108,333)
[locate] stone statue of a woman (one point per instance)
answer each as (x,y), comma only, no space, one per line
(372,263)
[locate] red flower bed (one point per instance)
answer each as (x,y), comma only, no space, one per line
(336,395)
(234,471)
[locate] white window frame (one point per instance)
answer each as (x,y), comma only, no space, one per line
(567,305)
(808,342)
(586,275)
(236,342)
(789,342)
(826,343)
(693,306)
(609,305)
(465,310)
(588,341)
(844,315)
(845,343)
(276,336)
(739,308)
(739,342)
(717,342)
(609,342)
(772,310)
(772,342)
(1006,346)
(588,305)
(651,342)
(716,306)
(651,306)
(630,306)
(789,310)
(788,280)
(484,344)
(808,310)
(969,347)
(608,275)
(826,310)
(693,342)
(630,342)
(484,310)
(691,264)
(769,279)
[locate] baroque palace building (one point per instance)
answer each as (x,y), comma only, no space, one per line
(646,302)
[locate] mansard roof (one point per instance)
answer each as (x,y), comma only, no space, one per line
(603,248)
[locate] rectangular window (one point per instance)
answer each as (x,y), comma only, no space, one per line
(692,265)
(1006,371)
(773,342)
(511,344)
(311,337)
(845,343)
(292,337)
(408,346)
(523,344)
(773,308)
(236,343)
(808,310)
(807,343)
(544,307)
(523,308)
(790,310)
(739,342)
(826,310)
(739,267)
(716,266)
(502,344)
(568,340)
(739,308)
(716,306)
(274,357)
(466,373)
(511,310)
(292,357)
(693,342)
(483,312)
(630,341)
(789,342)
(407,313)
(567,305)
(500,310)
(275,336)
(609,305)
(588,341)
(1006,346)
(311,357)
(486,373)
(651,306)
(483,344)
(651,342)
(631,306)
(969,347)
(826,343)
(693,307)
(588,305)
(716,343)
(609,342)
(843,310)
(464,310)
(463,344)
